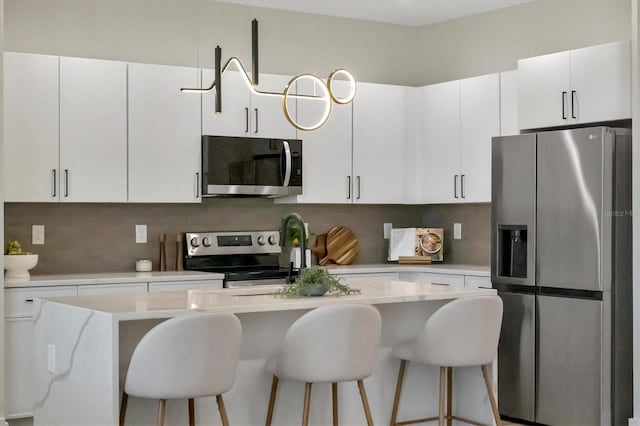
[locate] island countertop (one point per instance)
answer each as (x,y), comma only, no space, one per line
(164,305)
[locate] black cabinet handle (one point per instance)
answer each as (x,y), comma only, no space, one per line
(564,98)
(28,300)
(573,96)
(256,110)
(55,181)
(358,197)
(348,187)
(197,185)
(246,120)
(66,182)
(455,186)
(462,187)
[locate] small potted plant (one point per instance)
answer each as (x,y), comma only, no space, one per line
(315,281)
(17,262)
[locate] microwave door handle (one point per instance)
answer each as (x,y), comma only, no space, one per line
(287,163)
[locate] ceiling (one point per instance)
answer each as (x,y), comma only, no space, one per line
(403,12)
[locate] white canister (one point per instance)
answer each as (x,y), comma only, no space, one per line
(143,265)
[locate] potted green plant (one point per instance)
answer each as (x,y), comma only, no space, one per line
(315,281)
(17,262)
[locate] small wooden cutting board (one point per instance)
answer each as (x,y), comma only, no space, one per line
(342,246)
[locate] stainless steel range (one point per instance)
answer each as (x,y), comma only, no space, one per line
(245,258)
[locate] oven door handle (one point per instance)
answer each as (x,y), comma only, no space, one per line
(287,163)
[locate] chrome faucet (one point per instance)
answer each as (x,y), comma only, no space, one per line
(295,219)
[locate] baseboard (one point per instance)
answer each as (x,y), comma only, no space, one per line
(634,421)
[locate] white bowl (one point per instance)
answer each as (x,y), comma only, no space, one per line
(18,265)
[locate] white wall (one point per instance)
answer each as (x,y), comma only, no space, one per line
(170,31)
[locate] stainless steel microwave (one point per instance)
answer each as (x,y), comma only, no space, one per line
(237,166)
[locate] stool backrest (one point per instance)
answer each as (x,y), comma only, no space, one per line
(332,344)
(186,357)
(463,332)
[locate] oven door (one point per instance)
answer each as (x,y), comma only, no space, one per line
(251,166)
(254,283)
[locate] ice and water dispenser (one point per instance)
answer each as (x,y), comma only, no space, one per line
(512,251)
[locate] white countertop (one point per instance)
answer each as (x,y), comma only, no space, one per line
(169,304)
(113,278)
(439,268)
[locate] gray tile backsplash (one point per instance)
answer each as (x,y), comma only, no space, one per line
(101,237)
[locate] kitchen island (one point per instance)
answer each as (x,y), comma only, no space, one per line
(82,347)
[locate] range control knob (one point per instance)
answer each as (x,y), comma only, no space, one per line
(272,240)
(261,241)
(194,242)
(206,242)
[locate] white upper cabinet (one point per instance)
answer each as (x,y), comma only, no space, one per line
(378,143)
(31,127)
(439,143)
(509,103)
(164,134)
(236,106)
(480,121)
(267,119)
(93,130)
(575,87)
(543,90)
(601,82)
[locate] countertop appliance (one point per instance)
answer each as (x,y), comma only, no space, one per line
(243,166)
(245,258)
(561,261)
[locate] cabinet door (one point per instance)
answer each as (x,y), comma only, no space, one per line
(480,121)
(164,134)
(359,280)
(477,282)
(509,103)
(326,167)
(439,149)
(30,127)
(601,83)
(19,380)
(267,117)
(185,285)
(93,130)
(99,289)
(378,144)
(236,105)
(442,279)
(544,90)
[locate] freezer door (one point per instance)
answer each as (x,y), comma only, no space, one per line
(570,207)
(569,373)
(516,350)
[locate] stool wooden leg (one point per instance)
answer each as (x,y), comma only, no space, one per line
(272,400)
(123,407)
(162,407)
(492,397)
(307,402)
(365,402)
(192,412)
(396,399)
(223,411)
(449,394)
(443,379)
(334,397)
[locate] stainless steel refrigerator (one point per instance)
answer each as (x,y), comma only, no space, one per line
(561,261)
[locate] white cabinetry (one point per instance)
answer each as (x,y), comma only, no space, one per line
(459,118)
(355,280)
(509,103)
(19,346)
(99,289)
(471,281)
(93,130)
(164,134)
(185,285)
(442,279)
(579,86)
(245,113)
(30,127)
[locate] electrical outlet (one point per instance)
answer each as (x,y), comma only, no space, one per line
(457,231)
(387,230)
(51,358)
(141,234)
(37,235)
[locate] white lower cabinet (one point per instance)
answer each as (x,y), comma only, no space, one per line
(477,282)
(185,285)
(18,311)
(442,279)
(95,290)
(355,280)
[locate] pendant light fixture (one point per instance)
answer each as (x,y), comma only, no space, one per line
(326,96)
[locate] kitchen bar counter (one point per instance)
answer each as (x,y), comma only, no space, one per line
(83,344)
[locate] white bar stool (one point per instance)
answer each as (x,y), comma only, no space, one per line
(185,358)
(328,345)
(462,333)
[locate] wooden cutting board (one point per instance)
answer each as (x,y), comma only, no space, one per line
(320,249)
(342,246)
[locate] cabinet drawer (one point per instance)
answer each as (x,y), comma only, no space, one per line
(19,301)
(91,290)
(442,279)
(364,279)
(477,282)
(186,285)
